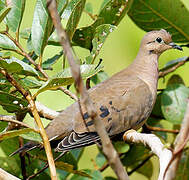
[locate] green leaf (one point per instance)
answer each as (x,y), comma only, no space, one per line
(4,12)
(49,62)
(101,33)
(6,43)
(170,15)
(121,146)
(32,136)
(89,7)
(14,65)
(14,17)
(74,17)
(14,133)
(174,101)
(174,62)
(95,175)
(100,159)
(31,83)
(157,107)
(12,103)
(25,33)
(112,13)
(41,27)
(64,78)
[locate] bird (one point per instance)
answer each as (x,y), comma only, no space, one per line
(123,102)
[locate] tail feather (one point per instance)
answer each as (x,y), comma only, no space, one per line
(26,147)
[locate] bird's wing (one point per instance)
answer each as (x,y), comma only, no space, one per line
(121,106)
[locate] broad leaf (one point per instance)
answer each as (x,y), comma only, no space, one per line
(121,147)
(49,62)
(31,83)
(175,79)
(6,43)
(14,17)
(101,33)
(14,65)
(12,103)
(14,133)
(75,17)
(170,15)
(112,13)
(99,77)
(32,136)
(100,159)
(41,27)
(64,78)
(174,102)
(89,7)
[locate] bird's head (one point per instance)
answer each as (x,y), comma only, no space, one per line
(157,42)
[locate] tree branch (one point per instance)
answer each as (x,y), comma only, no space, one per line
(173,68)
(154,144)
(108,149)
(34,111)
(5,175)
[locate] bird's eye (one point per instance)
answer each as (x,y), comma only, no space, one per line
(159,40)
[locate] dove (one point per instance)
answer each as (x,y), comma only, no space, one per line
(123,102)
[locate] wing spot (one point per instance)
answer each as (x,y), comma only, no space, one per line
(104,111)
(85,116)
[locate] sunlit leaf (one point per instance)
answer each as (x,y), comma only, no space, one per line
(14,17)
(4,12)
(170,15)
(64,78)
(121,147)
(89,7)
(14,65)
(112,13)
(14,133)
(101,33)
(6,43)
(75,17)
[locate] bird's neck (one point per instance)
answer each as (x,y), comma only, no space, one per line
(146,68)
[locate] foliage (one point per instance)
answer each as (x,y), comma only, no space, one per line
(148,15)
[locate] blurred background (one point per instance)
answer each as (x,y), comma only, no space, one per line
(117,53)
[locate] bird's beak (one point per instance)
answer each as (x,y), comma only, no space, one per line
(174,46)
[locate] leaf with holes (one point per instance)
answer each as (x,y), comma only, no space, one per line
(111,13)
(170,15)
(12,103)
(14,17)
(101,33)
(75,17)
(64,78)
(14,65)
(174,101)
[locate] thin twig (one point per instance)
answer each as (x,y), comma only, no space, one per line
(12,119)
(34,111)
(176,131)
(173,68)
(108,148)
(24,53)
(69,93)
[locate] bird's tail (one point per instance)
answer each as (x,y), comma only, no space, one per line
(26,147)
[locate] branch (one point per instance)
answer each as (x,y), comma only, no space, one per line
(5,175)
(34,111)
(108,149)
(173,68)
(154,144)
(69,93)
(12,119)
(45,111)
(180,142)
(25,54)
